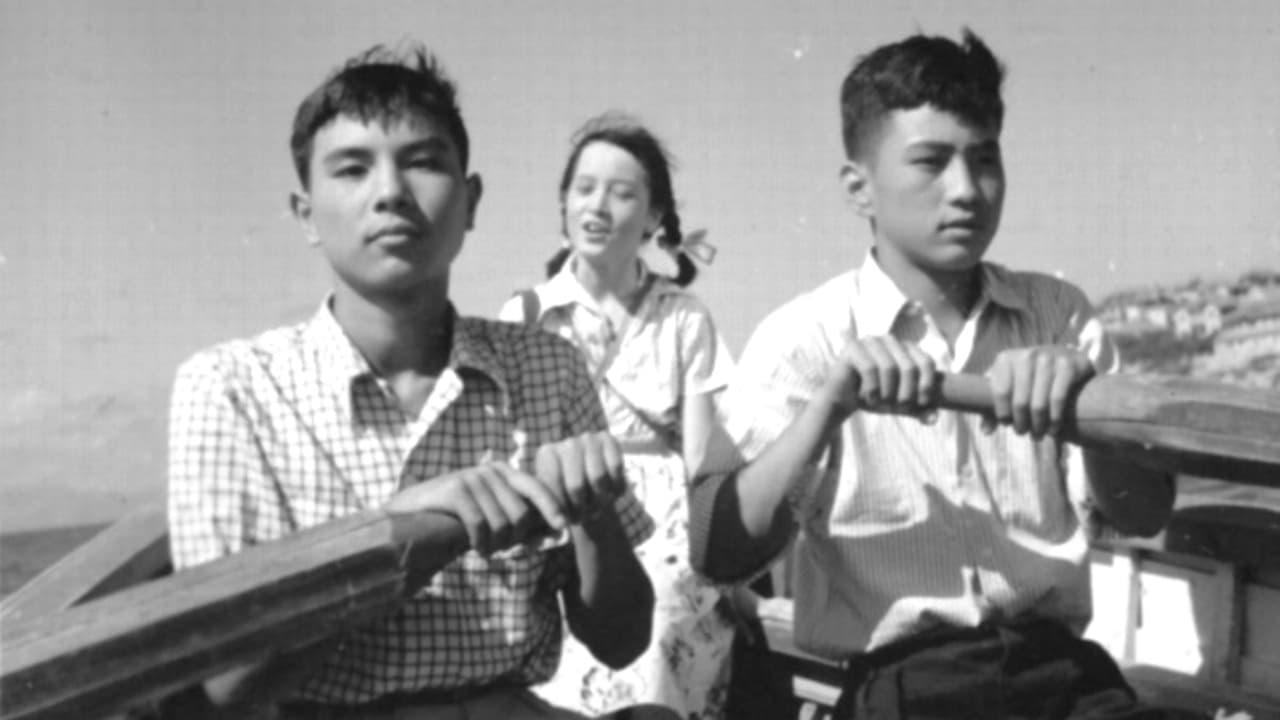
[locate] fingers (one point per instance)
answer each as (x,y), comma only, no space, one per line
(546,468)
(571,454)
(890,375)
(488,524)
(584,472)
(531,492)
(1032,387)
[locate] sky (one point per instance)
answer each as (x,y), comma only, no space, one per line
(144,171)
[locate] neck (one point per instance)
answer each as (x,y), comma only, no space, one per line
(398,335)
(602,280)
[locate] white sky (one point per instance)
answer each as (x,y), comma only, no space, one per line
(144,164)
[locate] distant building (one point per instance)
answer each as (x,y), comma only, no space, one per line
(1248,335)
(1158,315)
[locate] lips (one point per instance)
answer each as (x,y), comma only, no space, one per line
(396,232)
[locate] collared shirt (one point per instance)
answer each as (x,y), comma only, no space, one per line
(908,525)
(293,428)
(670,348)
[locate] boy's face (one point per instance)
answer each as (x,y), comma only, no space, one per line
(388,205)
(933,187)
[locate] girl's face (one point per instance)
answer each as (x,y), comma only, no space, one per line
(607,209)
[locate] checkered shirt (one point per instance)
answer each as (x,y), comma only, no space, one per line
(292,428)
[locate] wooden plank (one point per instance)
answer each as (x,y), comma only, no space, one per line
(115,652)
(1169,689)
(129,551)
(1262,621)
(1188,425)
(1225,649)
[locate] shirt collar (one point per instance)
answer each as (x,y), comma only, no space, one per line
(878,301)
(340,362)
(563,289)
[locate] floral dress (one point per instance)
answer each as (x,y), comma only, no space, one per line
(669,349)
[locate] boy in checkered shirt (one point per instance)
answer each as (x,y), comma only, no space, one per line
(387,397)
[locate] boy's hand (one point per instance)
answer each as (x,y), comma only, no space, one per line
(882,374)
(1031,387)
(583,473)
(498,505)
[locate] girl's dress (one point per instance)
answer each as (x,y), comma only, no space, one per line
(669,349)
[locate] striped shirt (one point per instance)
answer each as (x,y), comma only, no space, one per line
(908,525)
(293,428)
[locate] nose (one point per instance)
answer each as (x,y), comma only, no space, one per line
(962,184)
(596,200)
(391,191)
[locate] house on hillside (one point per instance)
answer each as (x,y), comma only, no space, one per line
(1248,335)
(1196,322)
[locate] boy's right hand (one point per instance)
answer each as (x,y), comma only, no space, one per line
(882,374)
(498,505)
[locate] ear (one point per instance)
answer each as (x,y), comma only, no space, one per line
(300,205)
(855,181)
(475,188)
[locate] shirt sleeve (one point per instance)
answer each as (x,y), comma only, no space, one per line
(779,373)
(221,498)
(583,414)
(704,357)
(1084,331)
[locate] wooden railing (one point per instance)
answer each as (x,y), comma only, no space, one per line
(106,629)
(111,652)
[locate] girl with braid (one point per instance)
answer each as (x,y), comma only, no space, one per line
(657,361)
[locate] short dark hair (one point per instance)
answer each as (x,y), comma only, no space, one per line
(380,84)
(626,132)
(963,79)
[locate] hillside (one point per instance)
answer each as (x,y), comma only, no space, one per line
(1226,330)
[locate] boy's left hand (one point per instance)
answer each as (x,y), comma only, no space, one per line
(1031,386)
(584,472)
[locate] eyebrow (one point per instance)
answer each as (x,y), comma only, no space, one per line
(939,146)
(360,152)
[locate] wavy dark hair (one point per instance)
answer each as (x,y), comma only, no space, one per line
(381,84)
(961,78)
(626,132)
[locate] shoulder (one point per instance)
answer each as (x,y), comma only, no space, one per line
(237,361)
(520,349)
(1043,295)
(818,319)
(671,299)
(1031,283)
(522,303)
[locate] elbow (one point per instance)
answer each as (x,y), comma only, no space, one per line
(728,544)
(630,644)
(628,639)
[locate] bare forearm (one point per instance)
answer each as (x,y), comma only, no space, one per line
(1135,499)
(611,609)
